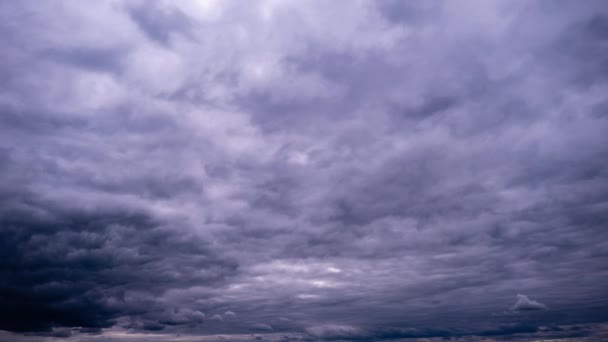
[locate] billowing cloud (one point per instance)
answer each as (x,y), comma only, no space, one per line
(287,170)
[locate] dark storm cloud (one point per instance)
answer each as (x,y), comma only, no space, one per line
(205,170)
(73,267)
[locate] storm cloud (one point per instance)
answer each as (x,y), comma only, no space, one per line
(303,170)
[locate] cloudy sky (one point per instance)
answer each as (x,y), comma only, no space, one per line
(285,170)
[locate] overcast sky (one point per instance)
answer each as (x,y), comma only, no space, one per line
(286,170)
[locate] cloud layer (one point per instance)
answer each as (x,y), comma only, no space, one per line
(320,170)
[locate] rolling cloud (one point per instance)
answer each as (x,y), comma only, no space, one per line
(303,170)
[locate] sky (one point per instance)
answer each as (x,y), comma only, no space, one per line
(282,170)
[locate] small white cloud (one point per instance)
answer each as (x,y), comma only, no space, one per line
(526,304)
(217,317)
(299,158)
(229,314)
(332,269)
(307,296)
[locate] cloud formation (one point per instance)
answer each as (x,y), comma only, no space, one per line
(525,304)
(320,170)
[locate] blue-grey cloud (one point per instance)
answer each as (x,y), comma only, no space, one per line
(322,170)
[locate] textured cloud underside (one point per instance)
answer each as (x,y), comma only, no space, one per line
(303,170)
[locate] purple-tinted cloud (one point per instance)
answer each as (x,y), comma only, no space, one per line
(320,170)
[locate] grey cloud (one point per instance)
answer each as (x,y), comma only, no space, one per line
(334,332)
(209,169)
(87,268)
(97,59)
(262,327)
(159,21)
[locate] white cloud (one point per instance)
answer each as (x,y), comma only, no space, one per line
(526,304)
